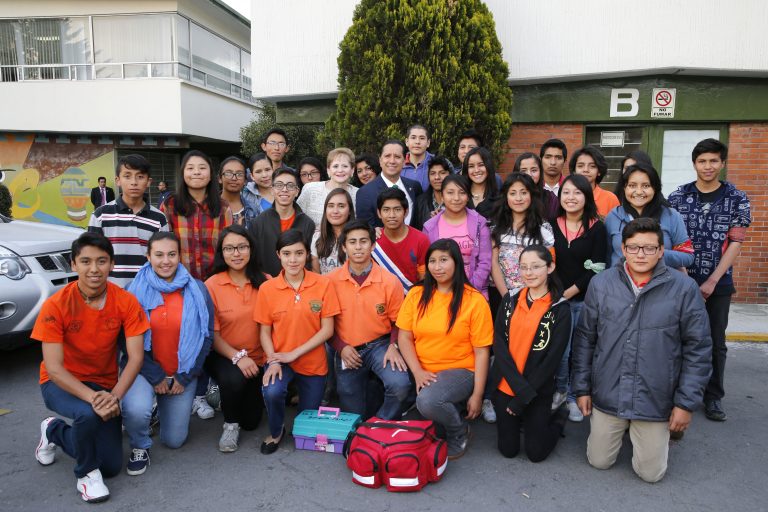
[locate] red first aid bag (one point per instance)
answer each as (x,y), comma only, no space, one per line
(403,455)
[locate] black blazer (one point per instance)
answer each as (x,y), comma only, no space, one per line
(96,196)
(365,207)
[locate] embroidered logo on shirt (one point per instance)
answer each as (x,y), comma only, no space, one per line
(315,305)
(380,309)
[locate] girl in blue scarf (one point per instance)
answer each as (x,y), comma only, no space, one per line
(180,313)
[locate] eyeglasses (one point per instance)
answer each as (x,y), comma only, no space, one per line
(237,175)
(241,249)
(533,268)
(275,144)
(279,185)
(648,250)
(313,174)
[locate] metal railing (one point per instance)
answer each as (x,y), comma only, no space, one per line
(122,71)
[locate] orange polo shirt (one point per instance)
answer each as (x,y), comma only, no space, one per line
(233,314)
(89,336)
(165,322)
(437,349)
(605,201)
(295,321)
(367,311)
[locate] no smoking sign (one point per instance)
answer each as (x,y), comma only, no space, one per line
(663,103)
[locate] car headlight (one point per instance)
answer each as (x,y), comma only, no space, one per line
(11,265)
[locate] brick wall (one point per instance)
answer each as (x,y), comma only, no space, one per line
(530,137)
(748,170)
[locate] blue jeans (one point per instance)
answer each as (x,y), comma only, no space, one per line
(91,441)
(172,410)
(311,389)
(442,401)
(562,378)
(351,385)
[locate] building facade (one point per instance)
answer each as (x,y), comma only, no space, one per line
(84,82)
(656,76)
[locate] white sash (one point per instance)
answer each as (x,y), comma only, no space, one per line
(382,259)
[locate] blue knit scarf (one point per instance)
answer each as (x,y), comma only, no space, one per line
(148,287)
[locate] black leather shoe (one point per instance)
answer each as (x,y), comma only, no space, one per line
(714,411)
(676,436)
(269,448)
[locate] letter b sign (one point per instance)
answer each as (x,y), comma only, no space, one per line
(624,102)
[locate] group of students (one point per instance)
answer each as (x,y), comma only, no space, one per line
(397,295)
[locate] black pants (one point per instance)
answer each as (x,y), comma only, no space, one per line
(241,400)
(541,434)
(718,307)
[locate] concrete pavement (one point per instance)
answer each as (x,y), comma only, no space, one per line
(748,322)
(717,466)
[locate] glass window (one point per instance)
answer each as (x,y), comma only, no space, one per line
(245,60)
(141,38)
(182,40)
(614,142)
(676,156)
(215,56)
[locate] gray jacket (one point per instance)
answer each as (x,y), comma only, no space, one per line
(638,357)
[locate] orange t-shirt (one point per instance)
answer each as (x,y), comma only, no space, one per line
(605,201)
(367,311)
(295,321)
(165,322)
(436,349)
(523,325)
(285,224)
(233,314)
(89,336)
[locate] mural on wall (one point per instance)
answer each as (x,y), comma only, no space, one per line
(50,177)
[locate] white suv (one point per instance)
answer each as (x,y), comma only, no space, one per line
(34,264)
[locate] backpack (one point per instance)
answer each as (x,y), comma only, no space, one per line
(403,455)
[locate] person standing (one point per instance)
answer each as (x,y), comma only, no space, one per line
(553,154)
(417,160)
(164,193)
(340,168)
(276,145)
(641,354)
(530,164)
(430,203)
(391,160)
(468,140)
(326,251)
(717,216)
(129,221)
(282,216)
(365,338)
(590,163)
(78,327)
(478,168)
(258,193)
(232,180)
(102,194)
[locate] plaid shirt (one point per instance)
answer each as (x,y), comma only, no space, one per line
(198,233)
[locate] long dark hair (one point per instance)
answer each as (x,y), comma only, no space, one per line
(639,156)
(590,208)
(657,204)
(458,282)
(372,161)
(554,284)
(183,202)
(253,270)
(327,239)
(491,189)
(503,219)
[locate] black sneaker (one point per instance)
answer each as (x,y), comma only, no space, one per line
(714,411)
(138,462)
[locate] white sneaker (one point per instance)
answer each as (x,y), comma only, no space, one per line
(229,437)
(201,407)
(91,487)
(557,399)
(45,453)
(489,414)
(574,414)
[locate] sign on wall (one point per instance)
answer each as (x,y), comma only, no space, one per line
(663,103)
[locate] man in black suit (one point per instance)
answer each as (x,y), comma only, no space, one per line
(102,194)
(391,159)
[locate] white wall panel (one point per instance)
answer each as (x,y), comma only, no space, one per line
(295,46)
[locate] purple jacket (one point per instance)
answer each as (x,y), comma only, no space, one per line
(480,257)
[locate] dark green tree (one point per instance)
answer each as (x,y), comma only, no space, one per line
(432,62)
(301,137)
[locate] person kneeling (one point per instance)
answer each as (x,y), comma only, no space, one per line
(370,299)
(445,337)
(641,353)
(531,333)
(295,310)
(180,314)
